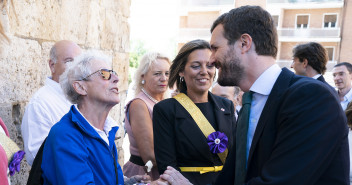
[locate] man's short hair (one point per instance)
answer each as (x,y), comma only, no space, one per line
(254,21)
(348,66)
(315,54)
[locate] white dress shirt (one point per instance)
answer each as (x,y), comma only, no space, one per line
(261,89)
(316,76)
(346,99)
(46,107)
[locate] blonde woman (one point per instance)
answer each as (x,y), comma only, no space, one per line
(151,81)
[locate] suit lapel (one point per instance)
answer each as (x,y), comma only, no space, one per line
(222,116)
(322,79)
(279,88)
(192,132)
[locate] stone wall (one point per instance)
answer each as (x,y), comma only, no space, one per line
(33,27)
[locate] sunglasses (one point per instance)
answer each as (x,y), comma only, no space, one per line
(104,73)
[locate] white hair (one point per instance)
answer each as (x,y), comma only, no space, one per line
(78,70)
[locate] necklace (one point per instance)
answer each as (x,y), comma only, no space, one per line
(151,98)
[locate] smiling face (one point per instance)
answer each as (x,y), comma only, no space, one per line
(99,90)
(157,77)
(226,58)
(199,72)
(342,77)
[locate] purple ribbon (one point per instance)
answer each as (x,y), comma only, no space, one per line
(217,142)
(15,164)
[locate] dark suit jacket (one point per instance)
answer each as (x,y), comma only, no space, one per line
(301,137)
(178,141)
(322,79)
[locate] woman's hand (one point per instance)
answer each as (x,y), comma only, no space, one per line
(173,177)
(137,179)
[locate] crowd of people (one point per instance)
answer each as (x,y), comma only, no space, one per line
(258,124)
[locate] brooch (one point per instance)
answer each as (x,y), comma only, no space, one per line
(217,142)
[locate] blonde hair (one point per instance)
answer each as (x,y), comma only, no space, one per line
(144,65)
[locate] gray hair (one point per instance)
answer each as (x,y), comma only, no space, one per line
(144,65)
(53,55)
(237,91)
(77,70)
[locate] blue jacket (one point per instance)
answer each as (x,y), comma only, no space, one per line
(74,153)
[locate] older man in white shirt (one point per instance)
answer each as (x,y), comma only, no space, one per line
(49,103)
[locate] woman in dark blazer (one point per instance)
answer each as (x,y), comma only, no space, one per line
(178,140)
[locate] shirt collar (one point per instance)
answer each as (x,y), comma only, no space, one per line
(109,123)
(266,80)
(348,96)
(53,84)
(316,76)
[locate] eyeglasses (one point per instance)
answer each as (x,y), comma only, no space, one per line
(104,73)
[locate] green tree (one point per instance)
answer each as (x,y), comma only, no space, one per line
(137,51)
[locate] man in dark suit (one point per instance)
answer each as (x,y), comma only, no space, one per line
(310,60)
(297,132)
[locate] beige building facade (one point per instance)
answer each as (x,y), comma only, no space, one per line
(298,21)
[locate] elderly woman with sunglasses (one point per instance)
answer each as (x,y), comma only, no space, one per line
(80,148)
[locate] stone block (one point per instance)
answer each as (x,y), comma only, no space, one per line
(22,71)
(120,65)
(50,19)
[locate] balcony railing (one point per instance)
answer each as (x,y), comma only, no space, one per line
(304,1)
(310,33)
(285,34)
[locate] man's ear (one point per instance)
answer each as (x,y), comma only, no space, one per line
(246,42)
(80,87)
(305,62)
(52,66)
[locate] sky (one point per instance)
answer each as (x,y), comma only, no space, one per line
(155,22)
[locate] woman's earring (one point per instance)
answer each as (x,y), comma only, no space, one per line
(181,78)
(143,82)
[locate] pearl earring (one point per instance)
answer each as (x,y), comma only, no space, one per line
(143,82)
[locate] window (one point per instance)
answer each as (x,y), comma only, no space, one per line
(330,51)
(302,21)
(276,20)
(330,20)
